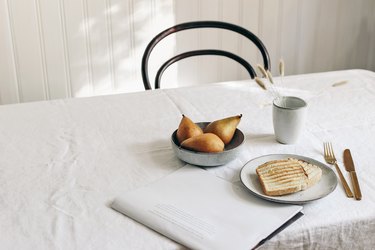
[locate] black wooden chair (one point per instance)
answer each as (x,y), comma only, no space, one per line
(196,25)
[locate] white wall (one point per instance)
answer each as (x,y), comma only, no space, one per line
(71,48)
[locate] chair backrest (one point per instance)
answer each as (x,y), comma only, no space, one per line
(196,25)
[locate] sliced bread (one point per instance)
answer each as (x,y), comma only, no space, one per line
(287,176)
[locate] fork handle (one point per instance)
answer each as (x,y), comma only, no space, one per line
(344,183)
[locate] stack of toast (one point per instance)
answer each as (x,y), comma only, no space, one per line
(286,176)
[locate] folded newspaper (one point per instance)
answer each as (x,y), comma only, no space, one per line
(201,211)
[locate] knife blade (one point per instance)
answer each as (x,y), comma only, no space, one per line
(349,166)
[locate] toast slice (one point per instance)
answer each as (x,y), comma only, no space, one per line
(287,176)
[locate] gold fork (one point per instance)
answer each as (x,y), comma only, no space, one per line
(330,158)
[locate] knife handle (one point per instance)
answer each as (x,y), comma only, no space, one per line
(343,182)
(356,189)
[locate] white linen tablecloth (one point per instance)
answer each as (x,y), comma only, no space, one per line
(62,162)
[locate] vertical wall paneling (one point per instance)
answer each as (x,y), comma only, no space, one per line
(108,15)
(8,75)
(371,57)
(297,41)
(240,69)
(52,49)
(260,27)
(269,30)
(120,43)
(27,46)
(131,65)
(76,42)
(347,28)
(220,60)
(208,39)
(162,17)
(199,41)
(308,31)
(15,55)
(338,30)
(87,24)
(280,23)
(230,40)
(69,48)
(359,34)
(363,45)
(42,49)
(187,11)
(98,45)
(250,16)
(324,45)
(143,32)
(288,34)
(149,19)
(122,20)
(66,60)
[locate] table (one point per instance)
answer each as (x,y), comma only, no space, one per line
(62,162)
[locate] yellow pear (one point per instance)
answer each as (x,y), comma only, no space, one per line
(187,129)
(209,143)
(224,128)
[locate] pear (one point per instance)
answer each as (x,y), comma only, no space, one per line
(208,143)
(187,129)
(224,128)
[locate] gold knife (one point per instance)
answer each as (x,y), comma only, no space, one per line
(349,166)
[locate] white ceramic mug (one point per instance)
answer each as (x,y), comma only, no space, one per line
(289,115)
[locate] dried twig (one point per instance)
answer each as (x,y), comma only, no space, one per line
(270,76)
(262,70)
(260,83)
(336,84)
(281,67)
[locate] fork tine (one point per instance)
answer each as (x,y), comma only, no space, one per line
(329,150)
(333,154)
(326,153)
(330,158)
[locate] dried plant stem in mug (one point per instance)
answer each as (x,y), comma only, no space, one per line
(263,85)
(270,76)
(282,70)
(260,83)
(272,85)
(281,67)
(262,70)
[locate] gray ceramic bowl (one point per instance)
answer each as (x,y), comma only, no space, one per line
(231,151)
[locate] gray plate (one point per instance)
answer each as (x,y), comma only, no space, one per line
(325,186)
(231,151)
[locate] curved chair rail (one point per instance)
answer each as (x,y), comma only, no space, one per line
(194,25)
(181,56)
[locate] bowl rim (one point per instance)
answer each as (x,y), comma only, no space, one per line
(174,140)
